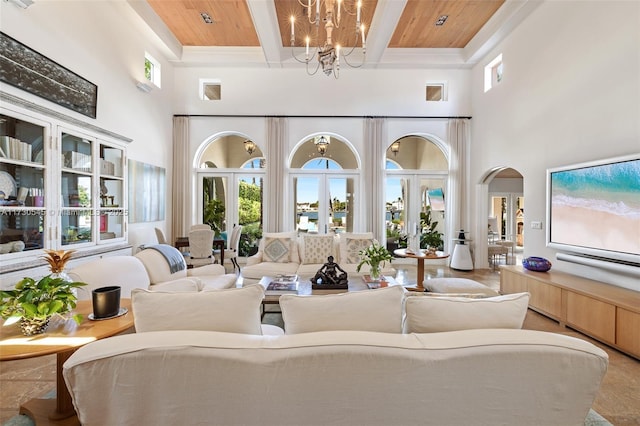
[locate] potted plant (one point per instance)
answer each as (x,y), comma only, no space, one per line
(431,238)
(374,256)
(33,303)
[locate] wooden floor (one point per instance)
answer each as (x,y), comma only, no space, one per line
(618,400)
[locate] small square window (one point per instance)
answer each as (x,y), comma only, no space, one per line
(210,89)
(436,92)
(152,70)
(493,73)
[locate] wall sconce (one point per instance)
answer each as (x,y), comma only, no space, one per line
(22,4)
(322,144)
(144,87)
(395,147)
(249,146)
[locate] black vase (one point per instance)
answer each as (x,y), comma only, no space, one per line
(106,302)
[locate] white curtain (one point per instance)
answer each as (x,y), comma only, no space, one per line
(181,199)
(458,207)
(374,149)
(276,140)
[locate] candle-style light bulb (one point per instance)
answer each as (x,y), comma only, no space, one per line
(363,40)
(307,40)
(358,13)
(293,21)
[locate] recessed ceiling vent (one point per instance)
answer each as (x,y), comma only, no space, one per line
(206,18)
(441,20)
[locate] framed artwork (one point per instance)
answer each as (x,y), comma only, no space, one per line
(28,70)
(147,189)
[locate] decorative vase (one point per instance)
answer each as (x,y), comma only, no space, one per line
(33,326)
(375,272)
(538,264)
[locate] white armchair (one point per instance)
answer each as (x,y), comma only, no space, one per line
(148,269)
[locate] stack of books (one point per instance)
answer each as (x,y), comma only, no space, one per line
(283,284)
(373,284)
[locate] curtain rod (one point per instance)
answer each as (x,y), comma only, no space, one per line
(321,116)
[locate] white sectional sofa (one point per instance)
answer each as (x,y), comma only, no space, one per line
(148,269)
(471,377)
(372,357)
(304,254)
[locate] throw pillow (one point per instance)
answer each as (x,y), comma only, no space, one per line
(368,310)
(435,314)
(293,244)
(353,247)
(316,248)
(235,310)
(276,250)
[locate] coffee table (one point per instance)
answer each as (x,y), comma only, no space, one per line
(62,338)
(304,289)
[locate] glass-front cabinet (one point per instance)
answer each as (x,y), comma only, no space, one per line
(61,186)
(23,172)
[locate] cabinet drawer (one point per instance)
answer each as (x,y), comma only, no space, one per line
(628,331)
(545,297)
(592,316)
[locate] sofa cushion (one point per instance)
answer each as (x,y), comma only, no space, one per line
(368,310)
(277,250)
(181,285)
(292,247)
(235,310)
(458,285)
(316,249)
(435,314)
(351,244)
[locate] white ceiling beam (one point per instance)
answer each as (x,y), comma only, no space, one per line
(167,42)
(385,20)
(498,27)
(265,21)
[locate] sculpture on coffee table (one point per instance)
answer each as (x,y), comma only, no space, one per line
(330,276)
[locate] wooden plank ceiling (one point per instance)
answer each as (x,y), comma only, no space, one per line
(233,25)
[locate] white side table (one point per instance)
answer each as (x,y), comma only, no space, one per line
(461,257)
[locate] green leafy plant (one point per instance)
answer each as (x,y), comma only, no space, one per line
(31,299)
(430,237)
(374,255)
(214,212)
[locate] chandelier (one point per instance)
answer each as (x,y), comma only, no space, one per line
(327,54)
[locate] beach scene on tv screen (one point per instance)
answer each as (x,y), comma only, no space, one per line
(597,207)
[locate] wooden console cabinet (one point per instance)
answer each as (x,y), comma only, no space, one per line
(605,312)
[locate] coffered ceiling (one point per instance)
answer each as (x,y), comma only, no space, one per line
(399,33)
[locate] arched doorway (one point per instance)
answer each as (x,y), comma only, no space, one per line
(230,187)
(416,186)
(324,177)
(501,216)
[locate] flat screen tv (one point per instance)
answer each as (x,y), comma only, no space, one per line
(593,209)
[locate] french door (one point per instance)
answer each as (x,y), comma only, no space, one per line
(324,202)
(409,196)
(228,198)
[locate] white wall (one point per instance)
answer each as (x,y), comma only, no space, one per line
(100,42)
(292,92)
(570,93)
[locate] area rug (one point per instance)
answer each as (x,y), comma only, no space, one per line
(593,419)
